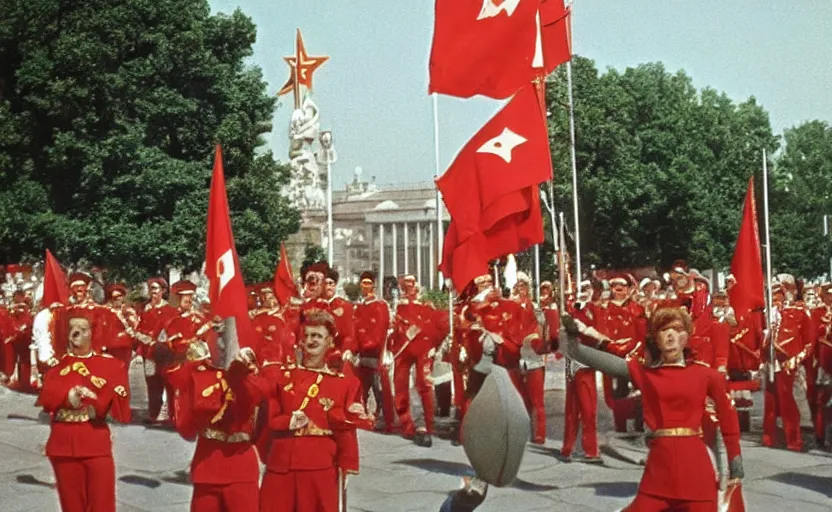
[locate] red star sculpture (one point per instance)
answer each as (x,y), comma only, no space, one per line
(303,67)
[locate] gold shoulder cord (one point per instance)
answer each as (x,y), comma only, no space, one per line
(312,392)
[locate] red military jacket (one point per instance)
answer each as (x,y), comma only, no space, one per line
(20,328)
(416,328)
(625,324)
(822,317)
(530,328)
(217,408)
(186,328)
(151,322)
(551,331)
(746,340)
(673,397)
(332,403)
(795,336)
(710,341)
(74,432)
(502,317)
(342,311)
(465,348)
(277,342)
(119,325)
(372,321)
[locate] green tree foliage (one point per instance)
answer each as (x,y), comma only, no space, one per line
(663,167)
(801,194)
(313,254)
(109,112)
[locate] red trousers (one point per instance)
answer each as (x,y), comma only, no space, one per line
(622,408)
(533,383)
(155,389)
(581,408)
(300,491)
(85,485)
(22,353)
(823,396)
(381,390)
(779,401)
(8,358)
(812,387)
(649,503)
(236,497)
(401,381)
(459,390)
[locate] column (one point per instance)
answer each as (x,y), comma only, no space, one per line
(406,251)
(431,256)
(380,279)
(419,252)
(370,241)
(395,252)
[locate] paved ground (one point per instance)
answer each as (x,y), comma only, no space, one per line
(396,475)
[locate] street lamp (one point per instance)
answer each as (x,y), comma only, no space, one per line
(327,157)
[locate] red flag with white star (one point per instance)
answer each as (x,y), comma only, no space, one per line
(227,291)
(508,154)
(483,47)
(556,32)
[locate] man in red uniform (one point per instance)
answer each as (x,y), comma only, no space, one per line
(625,323)
(822,316)
(532,358)
(152,321)
(7,357)
(581,405)
(121,321)
(417,333)
(793,336)
(313,415)
(16,343)
(372,321)
(80,392)
(342,311)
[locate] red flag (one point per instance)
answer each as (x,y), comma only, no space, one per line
(55,288)
(463,260)
(227,291)
(483,48)
(284,284)
(508,154)
(556,32)
(747,264)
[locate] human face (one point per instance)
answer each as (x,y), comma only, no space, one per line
(155,292)
(521,290)
(409,287)
(316,342)
(672,341)
(185,302)
(620,292)
(649,289)
(314,285)
(720,301)
(485,283)
(80,335)
(329,288)
(827,299)
(79,291)
(545,296)
(681,281)
(118,300)
(367,288)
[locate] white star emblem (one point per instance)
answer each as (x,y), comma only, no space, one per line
(502,145)
(225,268)
(491,8)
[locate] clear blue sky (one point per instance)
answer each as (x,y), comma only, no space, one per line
(372,92)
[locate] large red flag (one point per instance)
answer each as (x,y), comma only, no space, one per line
(508,154)
(747,264)
(227,291)
(55,288)
(556,30)
(483,47)
(284,283)
(463,260)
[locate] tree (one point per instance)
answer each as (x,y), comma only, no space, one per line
(109,112)
(313,254)
(801,194)
(662,166)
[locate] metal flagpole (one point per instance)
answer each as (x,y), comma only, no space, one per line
(537,274)
(769,298)
(574,175)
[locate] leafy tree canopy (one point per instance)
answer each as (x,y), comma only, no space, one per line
(109,112)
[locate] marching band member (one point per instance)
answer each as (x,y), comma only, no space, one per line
(822,316)
(342,311)
(532,358)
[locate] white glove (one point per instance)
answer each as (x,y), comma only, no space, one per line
(463,355)
(77,394)
(387,359)
(246,356)
(431,353)
(298,421)
(347,356)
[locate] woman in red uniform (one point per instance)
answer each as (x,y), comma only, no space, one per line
(679,475)
(80,392)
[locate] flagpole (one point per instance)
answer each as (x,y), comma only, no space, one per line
(440,238)
(537,274)
(769,298)
(574,174)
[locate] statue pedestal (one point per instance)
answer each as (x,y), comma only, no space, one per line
(311,233)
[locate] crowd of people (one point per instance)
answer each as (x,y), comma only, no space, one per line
(294,395)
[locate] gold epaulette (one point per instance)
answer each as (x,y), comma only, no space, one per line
(104,354)
(706,365)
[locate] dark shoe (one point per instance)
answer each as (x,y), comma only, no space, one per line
(423,438)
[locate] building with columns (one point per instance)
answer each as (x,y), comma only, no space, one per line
(389,229)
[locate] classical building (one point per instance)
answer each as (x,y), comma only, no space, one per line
(389,229)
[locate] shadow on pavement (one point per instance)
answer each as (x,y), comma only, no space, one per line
(31,480)
(180,477)
(613,489)
(150,483)
(818,484)
(460,470)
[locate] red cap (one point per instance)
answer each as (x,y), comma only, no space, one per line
(79,279)
(158,280)
(183,287)
(320,268)
(368,276)
(332,274)
(112,289)
(264,287)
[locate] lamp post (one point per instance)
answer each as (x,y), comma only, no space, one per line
(327,157)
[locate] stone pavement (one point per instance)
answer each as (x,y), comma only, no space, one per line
(396,475)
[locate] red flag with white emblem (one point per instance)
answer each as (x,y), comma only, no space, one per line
(556,32)
(227,291)
(483,47)
(510,153)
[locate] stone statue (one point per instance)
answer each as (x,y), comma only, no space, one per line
(305,189)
